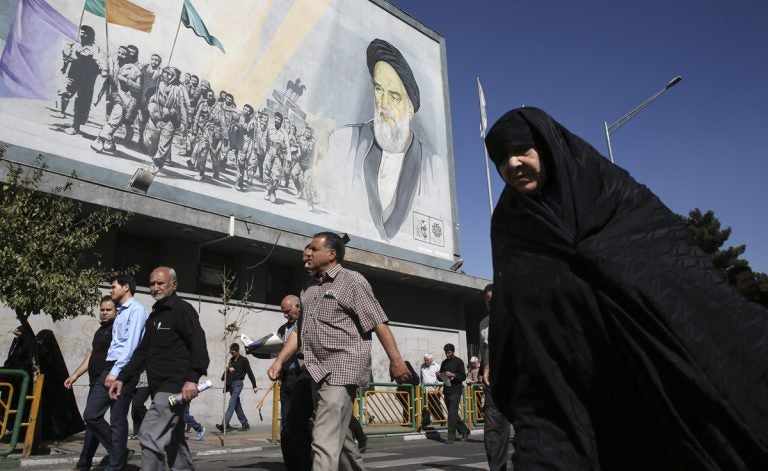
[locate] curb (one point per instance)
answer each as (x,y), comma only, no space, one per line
(71,459)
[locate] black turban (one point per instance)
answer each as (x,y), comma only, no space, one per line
(88,31)
(380,50)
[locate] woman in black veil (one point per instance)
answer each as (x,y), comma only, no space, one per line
(59,415)
(615,344)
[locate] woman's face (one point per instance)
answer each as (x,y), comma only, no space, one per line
(522,169)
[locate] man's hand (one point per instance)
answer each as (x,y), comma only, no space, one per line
(255,390)
(274,371)
(115,389)
(231,370)
(109,380)
(189,391)
(398,371)
(70,381)
(487,375)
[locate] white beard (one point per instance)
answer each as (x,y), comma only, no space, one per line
(394,139)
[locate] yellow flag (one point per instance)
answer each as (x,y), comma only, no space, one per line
(128,14)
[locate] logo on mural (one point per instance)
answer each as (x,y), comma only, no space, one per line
(268,141)
(420,227)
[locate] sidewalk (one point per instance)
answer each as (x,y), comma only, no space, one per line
(66,452)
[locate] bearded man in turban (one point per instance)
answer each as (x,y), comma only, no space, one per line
(388,165)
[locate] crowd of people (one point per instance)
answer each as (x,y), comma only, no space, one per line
(160,108)
(609,342)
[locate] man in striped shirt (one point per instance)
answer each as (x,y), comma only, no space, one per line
(339,314)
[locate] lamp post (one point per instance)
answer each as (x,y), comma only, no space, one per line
(613,127)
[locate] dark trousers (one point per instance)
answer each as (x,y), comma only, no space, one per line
(114,435)
(357,430)
(138,407)
(452,400)
(90,445)
(296,411)
(496,434)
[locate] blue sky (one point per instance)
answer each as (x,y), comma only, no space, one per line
(701,144)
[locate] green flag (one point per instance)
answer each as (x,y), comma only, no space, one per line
(191,19)
(97,7)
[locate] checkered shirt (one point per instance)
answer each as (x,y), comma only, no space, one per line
(338,314)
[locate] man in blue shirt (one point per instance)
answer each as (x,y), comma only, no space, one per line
(127,332)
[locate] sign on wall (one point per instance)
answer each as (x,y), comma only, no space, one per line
(299,114)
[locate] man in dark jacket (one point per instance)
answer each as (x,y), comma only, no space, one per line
(235,377)
(175,356)
(453,374)
(94,363)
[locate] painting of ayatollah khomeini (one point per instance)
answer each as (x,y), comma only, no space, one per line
(391,171)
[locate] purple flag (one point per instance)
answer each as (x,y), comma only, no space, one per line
(33,50)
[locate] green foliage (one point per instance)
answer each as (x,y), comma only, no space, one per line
(762,280)
(234,313)
(710,238)
(44,237)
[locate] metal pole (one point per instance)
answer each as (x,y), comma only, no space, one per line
(608,140)
(483,123)
(613,127)
(488,179)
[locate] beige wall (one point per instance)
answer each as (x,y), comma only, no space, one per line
(74,337)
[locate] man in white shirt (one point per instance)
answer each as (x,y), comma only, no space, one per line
(429,370)
(433,394)
(127,331)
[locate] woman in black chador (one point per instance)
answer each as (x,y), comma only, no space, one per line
(615,344)
(59,416)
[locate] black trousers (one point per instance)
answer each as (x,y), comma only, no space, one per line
(138,407)
(496,432)
(297,407)
(452,400)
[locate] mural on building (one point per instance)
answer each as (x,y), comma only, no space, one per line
(323,112)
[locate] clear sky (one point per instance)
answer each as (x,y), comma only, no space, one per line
(701,144)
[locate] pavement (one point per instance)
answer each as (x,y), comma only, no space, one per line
(258,438)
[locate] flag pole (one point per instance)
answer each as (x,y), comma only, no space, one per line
(106,28)
(483,123)
(82,15)
(178,28)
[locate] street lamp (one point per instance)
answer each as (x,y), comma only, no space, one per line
(613,127)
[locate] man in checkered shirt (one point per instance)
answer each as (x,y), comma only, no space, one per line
(339,314)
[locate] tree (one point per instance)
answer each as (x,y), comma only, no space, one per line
(233,314)
(710,238)
(44,239)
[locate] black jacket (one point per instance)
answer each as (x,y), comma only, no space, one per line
(242,367)
(456,366)
(173,349)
